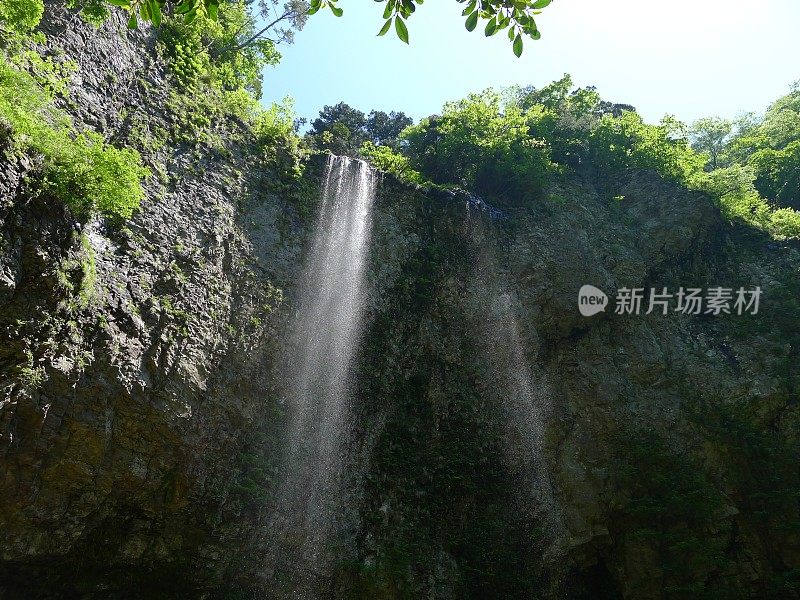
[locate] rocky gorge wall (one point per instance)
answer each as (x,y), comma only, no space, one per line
(527,451)
(512,447)
(129,378)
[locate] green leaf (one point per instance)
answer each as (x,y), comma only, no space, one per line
(385,27)
(132,23)
(337,11)
(155,13)
(472,21)
(184,7)
(387,12)
(518,45)
(536,35)
(541,4)
(401,29)
(470,7)
(122,3)
(491,28)
(212,7)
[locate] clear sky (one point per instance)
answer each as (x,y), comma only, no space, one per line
(690,58)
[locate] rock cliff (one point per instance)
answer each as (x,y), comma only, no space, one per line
(513,448)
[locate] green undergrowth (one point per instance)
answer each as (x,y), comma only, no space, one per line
(624,142)
(78,167)
(734,189)
(213,84)
(389,160)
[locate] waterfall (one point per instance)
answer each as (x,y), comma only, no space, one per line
(316,372)
(523,392)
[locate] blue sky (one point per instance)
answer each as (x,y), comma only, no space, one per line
(690,58)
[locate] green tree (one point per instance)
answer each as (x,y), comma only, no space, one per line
(771,146)
(736,193)
(568,116)
(343,129)
(709,136)
(619,143)
(778,174)
(482,143)
(339,128)
(565,117)
(384,129)
(208,50)
(386,159)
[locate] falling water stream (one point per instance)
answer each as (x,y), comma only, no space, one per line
(323,344)
(316,496)
(522,391)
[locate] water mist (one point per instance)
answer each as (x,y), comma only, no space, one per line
(315,494)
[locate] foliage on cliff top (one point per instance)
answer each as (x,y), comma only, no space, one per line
(385,159)
(507,145)
(483,143)
(342,129)
(768,145)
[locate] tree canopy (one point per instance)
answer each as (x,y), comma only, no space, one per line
(509,145)
(709,135)
(343,129)
(768,146)
(771,147)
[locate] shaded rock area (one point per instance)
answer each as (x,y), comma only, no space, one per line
(514,448)
(527,451)
(131,389)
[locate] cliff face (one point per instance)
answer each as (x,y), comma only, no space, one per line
(618,455)
(129,376)
(513,448)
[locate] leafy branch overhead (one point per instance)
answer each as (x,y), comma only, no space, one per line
(516,17)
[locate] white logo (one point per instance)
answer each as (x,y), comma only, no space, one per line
(689,301)
(591,300)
